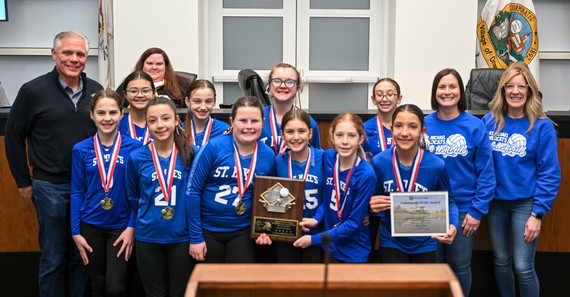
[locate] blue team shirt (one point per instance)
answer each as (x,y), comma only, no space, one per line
(526,163)
(351,239)
(267,138)
(87,190)
(313,184)
(218,129)
(146,197)
(212,188)
(124,129)
(463,145)
(371,144)
(432,176)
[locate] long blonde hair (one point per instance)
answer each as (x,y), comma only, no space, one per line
(533,105)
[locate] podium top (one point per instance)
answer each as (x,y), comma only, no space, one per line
(395,277)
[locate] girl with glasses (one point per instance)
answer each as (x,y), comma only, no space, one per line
(139,89)
(283,83)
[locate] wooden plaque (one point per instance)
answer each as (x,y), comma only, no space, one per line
(277,207)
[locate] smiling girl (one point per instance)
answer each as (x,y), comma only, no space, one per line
(220,188)
(157,174)
(349,184)
(284,83)
(102,222)
(139,89)
(395,169)
(301,161)
(200,126)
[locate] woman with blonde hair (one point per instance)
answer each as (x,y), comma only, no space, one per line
(523,139)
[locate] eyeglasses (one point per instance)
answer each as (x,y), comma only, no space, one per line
(277,82)
(521,87)
(388,96)
(134,92)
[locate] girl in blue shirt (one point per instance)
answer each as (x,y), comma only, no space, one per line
(200,126)
(220,187)
(461,140)
(386,95)
(349,184)
(525,153)
(102,222)
(407,167)
(284,83)
(139,89)
(157,174)
(301,161)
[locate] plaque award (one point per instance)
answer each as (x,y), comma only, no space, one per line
(277,207)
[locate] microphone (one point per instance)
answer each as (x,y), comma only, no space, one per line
(326,240)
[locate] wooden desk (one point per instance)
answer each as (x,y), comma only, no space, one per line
(301,280)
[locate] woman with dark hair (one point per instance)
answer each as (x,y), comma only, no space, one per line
(155,62)
(525,153)
(460,139)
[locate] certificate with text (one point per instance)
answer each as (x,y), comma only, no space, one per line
(419,213)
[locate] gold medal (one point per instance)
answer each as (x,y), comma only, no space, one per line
(240,208)
(167,213)
(107,203)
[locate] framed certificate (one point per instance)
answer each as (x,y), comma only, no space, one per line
(419,213)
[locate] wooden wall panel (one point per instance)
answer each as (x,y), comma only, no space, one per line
(18,221)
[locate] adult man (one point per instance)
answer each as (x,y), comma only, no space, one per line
(51,112)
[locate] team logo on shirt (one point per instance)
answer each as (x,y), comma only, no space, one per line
(514,145)
(453,146)
(391,186)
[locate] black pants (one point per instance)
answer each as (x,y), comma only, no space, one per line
(392,255)
(229,247)
(164,268)
(107,272)
(287,253)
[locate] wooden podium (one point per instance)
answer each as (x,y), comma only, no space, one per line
(301,280)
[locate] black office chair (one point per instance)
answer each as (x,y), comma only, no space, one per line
(251,84)
(188,75)
(481,87)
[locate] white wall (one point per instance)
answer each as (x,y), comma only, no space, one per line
(430,36)
(172,25)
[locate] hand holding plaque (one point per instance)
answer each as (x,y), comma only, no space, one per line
(277,207)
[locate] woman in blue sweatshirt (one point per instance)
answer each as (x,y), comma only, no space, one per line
(525,153)
(460,139)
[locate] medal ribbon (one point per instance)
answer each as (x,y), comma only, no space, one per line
(381,137)
(165,186)
(337,187)
(133,131)
(307,167)
(207,131)
(107,176)
(279,143)
(415,170)
(252,165)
